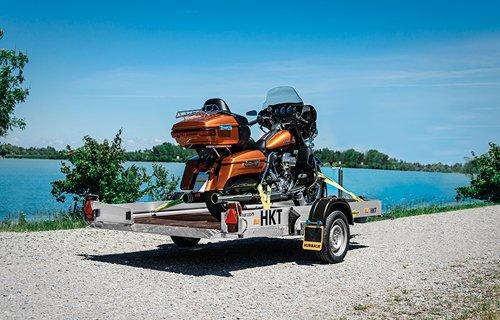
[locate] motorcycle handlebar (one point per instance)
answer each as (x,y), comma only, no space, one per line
(251,123)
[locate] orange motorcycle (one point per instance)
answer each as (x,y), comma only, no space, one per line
(230,165)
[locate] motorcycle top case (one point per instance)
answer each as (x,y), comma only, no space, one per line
(210,129)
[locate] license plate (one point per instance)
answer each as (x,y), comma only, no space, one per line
(313,236)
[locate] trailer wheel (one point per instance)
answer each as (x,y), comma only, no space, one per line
(335,238)
(184,242)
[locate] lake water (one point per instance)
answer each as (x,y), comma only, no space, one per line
(25,185)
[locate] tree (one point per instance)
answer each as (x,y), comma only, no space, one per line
(98,168)
(12,91)
(485,179)
(352,158)
(376,159)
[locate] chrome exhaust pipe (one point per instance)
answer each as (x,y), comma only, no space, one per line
(218,198)
(193,197)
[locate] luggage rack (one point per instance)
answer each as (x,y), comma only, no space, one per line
(191,113)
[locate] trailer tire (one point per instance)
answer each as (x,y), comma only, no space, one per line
(335,238)
(184,242)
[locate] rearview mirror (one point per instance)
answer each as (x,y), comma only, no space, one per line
(252,113)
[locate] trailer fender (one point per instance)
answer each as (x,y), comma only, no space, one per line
(321,208)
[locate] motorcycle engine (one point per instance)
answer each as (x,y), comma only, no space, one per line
(288,161)
(285,176)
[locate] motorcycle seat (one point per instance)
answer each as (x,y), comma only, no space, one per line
(240,119)
(219,105)
(252,145)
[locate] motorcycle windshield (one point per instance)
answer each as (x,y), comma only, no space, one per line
(280,95)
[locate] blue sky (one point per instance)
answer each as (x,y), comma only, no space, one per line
(419,81)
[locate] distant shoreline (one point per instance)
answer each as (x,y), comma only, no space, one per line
(65,159)
(327,165)
(169,152)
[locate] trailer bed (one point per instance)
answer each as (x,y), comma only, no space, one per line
(186,224)
(188,220)
(194,220)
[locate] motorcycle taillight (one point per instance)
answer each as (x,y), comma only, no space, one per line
(207,132)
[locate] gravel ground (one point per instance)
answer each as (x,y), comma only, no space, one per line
(435,266)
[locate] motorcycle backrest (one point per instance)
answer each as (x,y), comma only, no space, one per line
(214,105)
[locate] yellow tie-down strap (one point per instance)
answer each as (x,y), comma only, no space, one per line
(265,197)
(169,204)
(334,184)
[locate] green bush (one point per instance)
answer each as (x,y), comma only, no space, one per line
(98,168)
(162,187)
(485,177)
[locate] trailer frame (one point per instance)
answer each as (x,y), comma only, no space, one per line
(192,222)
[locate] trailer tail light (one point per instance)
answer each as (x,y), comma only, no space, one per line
(199,133)
(87,207)
(232,215)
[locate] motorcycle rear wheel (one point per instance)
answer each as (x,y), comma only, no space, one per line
(237,186)
(215,209)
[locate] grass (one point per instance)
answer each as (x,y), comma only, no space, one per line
(483,298)
(485,306)
(59,221)
(362,307)
(402,211)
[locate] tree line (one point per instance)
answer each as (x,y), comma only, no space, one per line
(168,152)
(165,152)
(374,159)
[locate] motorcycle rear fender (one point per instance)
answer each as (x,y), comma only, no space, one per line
(244,163)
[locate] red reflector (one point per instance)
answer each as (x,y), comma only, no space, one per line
(233,211)
(209,132)
(87,209)
(231,216)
